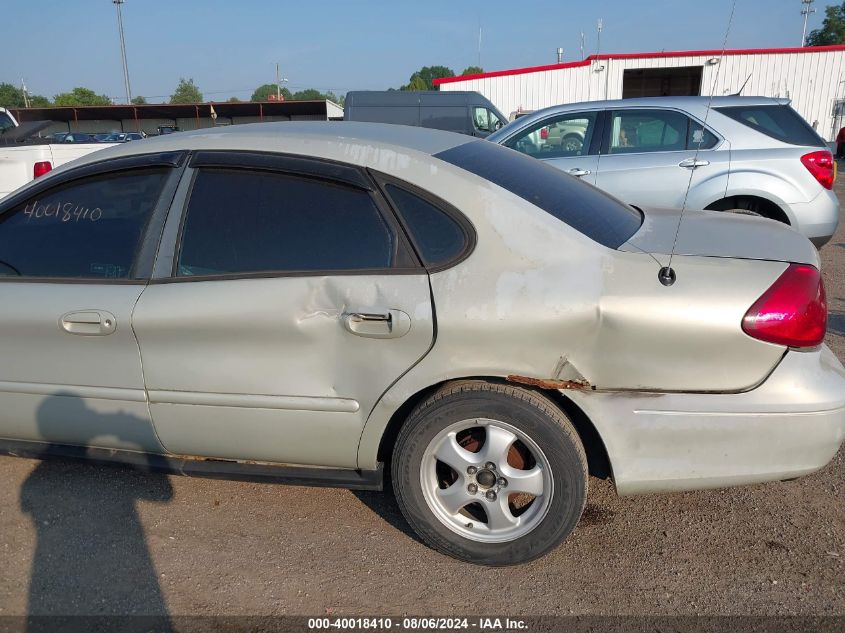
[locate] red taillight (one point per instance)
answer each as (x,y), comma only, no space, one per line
(821,165)
(792,312)
(544,133)
(41,168)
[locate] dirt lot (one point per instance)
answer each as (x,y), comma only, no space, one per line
(77,538)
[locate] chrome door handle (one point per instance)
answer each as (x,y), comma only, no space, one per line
(693,163)
(389,324)
(578,172)
(89,323)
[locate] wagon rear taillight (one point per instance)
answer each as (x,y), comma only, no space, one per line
(41,167)
(792,312)
(822,166)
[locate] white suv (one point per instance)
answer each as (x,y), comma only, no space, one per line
(755,153)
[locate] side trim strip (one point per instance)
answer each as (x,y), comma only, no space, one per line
(204,467)
(74,391)
(250,401)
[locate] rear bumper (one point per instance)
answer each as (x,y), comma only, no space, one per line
(818,218)
(791,425)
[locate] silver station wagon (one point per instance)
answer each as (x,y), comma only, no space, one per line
(755,154)
(317,303)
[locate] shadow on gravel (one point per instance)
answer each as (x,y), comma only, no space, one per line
(384,505)
(91,556)
(836,323)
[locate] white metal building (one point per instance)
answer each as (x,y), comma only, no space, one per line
(814,78)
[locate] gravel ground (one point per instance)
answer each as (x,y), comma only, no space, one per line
(77,538)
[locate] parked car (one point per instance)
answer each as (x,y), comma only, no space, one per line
(755,153)
(458,111)
(24,155)
(312,301)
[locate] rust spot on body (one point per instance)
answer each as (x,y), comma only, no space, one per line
(549,383)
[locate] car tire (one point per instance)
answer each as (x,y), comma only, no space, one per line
(572,143)
(513,435)
(743,212)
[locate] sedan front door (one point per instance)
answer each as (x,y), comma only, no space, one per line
(72,266)
(567,141)
(287,302)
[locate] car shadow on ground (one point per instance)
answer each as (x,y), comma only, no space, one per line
(385,506)
(91,556)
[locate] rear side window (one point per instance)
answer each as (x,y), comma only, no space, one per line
(241,221)
(89,228)
(777,121)
(596,214)
(438,238)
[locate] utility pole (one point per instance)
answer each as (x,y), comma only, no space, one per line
(279,80)
(117,3)
(806,10)
(599,27)
(582,44)
(479,43)
(25,96)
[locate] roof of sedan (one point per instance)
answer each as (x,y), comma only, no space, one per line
(271,137)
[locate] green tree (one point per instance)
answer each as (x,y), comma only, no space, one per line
(186,92)
(80,96)
(11,96)
(309,94)
(37,101)
(424,78)
(263,92)
(234,100)
(417,83)
(139,100)
(832,30)
(473,70)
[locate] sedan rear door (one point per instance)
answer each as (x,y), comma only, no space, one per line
(286,301)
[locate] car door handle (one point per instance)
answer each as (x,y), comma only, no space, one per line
(578,172)
(389,324)
(89,323)
(693,163)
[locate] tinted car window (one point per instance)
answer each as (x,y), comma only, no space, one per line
(637,131)
(778,121)
(240,221)
(437,237)
(89,228)
(5,122)
(700,138)
(598,215)
(557,137)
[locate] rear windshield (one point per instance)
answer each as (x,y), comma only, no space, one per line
(778,121)
(598,215)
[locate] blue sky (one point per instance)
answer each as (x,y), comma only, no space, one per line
(231,47)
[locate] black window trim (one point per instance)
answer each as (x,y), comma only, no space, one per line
(291,165)
(470,235)
(144,256)
(607,128)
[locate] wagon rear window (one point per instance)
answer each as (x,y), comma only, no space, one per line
(596,214)
(778,121)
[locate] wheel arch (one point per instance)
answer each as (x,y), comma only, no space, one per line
(752,202)
(598,460)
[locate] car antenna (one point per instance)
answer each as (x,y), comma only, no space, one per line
(742,87)
(667,275)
